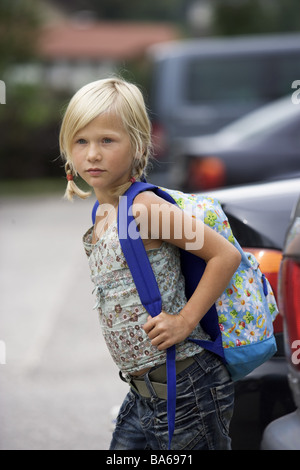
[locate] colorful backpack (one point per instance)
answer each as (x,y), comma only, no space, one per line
(240,323)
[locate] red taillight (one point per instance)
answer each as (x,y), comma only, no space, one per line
(290,301)
(206,173)
(269,263)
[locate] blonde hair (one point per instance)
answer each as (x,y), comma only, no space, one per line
(99,97)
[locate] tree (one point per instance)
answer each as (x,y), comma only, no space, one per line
(234,17)
(19,20)
(28,120)
(130,10)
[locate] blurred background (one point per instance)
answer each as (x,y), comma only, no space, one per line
(50,48)
(202,66)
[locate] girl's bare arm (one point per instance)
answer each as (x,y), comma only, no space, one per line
(221,257)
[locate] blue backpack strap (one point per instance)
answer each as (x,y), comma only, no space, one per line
(171,391)
(193,268)
(94,211)
(145,281)
(135,253)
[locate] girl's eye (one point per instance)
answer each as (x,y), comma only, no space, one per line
(81,141)
(107,140)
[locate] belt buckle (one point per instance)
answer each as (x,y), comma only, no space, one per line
(125,377)
(129,380)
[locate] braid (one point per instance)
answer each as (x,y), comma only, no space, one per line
(138,170)
(140,165)
(72,189)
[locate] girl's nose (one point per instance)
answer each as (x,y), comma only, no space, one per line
(93,152)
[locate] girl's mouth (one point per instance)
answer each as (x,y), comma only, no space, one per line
(95,171)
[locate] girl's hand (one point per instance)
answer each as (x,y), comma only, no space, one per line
(165,330)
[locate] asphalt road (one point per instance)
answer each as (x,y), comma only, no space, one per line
(58,384)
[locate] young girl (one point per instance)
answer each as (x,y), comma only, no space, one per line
(106,139)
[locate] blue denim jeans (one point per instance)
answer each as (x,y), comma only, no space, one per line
(204,407)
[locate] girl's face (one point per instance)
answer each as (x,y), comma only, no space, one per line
(102,154)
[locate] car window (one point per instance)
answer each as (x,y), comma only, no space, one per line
(230,80)
(287,70)
(225,80)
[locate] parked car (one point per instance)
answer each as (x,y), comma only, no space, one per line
(261,145)
(284,433)
(199,86)
(259,215)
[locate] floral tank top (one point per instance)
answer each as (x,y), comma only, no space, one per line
(121,313)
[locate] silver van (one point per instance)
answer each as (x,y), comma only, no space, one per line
(198,86)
